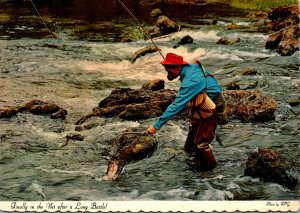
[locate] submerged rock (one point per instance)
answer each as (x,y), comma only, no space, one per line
(39,107)
(36,107)
(142,52)
(270,166)
(295,102)
(250,105)
(129,146)
(76,136)
(226,41)
(185,40)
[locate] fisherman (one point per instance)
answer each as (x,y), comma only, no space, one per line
(196,82)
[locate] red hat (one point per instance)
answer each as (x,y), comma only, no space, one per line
(173,59)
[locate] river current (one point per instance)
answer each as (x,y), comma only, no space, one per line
(77,74)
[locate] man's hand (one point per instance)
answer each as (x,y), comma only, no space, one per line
(151,130)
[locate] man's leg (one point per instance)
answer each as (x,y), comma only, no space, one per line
(204,136)
(189,146)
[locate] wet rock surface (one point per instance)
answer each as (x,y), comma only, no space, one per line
(271,166)
(226,41)
(249,105)
(134,104)
(8,112)
(142,52)
(164,26)
(285,27)
(185,40)
(36,107)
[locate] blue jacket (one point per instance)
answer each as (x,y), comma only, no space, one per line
(192,83)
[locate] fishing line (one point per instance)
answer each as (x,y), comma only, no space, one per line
(50,32)
(53,35)
(141,26)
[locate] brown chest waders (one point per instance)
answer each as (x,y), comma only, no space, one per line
(202,133)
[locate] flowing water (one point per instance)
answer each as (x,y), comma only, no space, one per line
(77,74)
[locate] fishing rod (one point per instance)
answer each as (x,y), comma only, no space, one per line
(141,26)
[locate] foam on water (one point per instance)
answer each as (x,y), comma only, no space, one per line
(212,193)
(210,36)
(60,171)
(253,54)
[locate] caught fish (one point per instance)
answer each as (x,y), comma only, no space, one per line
(129,146)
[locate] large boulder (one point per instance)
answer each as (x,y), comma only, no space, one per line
(133,104)
(129,146)
(285,24)
(164,26)
(249,105)
(283,16)
(270,166)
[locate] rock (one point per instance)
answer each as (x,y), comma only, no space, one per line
(142,52)
(126,39)
(236,26)
(185,40)
(270,166)
(232,86)
(157,84)
(129,146)
(285,24)
(283,16)
(249,106)
(133,104)
(164,26)
(274,40)
(8,112)
(155,13)
(227,41)
(248,71)
(257,15)
(38,107)
(295,102)
(290,41)
(86,127)
(76,136)
(61,113)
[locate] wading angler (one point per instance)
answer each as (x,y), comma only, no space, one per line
(202,95)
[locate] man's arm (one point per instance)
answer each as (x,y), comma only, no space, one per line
(185,94)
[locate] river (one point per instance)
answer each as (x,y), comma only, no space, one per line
(77,73)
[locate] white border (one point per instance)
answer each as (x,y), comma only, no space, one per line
(147,206)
